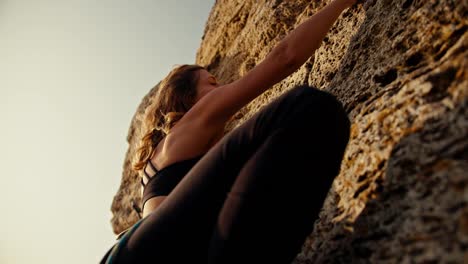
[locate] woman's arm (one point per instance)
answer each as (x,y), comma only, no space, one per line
(289,54)
(308,36)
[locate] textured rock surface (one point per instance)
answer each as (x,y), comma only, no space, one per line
(400,69)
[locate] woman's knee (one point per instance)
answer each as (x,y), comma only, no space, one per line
(313,104)
(302,107)
(310,94)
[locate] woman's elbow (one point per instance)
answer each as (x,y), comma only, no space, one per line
(286,56)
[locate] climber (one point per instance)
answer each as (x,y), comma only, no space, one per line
(247,196)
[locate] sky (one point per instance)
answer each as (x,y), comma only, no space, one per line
(72,74)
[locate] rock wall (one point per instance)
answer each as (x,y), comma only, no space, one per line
(400,68)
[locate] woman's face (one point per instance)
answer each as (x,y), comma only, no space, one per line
(206,83)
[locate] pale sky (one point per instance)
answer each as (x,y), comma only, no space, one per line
(72,74)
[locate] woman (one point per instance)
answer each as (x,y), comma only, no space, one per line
(252,195)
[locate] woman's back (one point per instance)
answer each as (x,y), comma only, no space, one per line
(189,138)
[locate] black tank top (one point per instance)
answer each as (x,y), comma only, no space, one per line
(166,179)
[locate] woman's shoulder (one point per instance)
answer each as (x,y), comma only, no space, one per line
(185,140)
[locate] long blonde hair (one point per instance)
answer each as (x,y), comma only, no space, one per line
(175,96)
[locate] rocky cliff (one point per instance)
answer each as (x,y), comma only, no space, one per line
(400,68)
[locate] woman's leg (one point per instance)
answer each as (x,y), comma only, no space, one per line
(277,196)
(182,227)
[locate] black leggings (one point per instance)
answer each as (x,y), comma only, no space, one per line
(254,197)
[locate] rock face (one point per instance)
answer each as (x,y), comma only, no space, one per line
(400,68)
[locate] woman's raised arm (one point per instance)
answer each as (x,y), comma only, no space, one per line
(285,58)
(308,36)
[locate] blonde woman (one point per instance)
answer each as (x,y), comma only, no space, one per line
(252,195)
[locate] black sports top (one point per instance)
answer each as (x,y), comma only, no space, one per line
(166,179)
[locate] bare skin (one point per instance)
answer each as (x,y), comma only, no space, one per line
(216,104)
(178,145)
